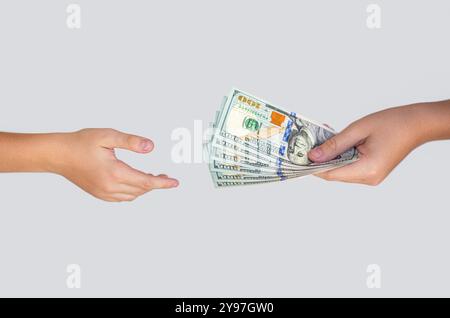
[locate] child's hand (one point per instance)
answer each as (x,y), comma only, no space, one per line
(87,159)
(383,139)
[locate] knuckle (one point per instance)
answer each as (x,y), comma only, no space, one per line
(370,182)
(130,198)
(106,133)
(353,125)
(116,174)
(84,130)
(129,140)
(106,197)
(374,181)
(372,173)
(108,187)
(100,196)
(331,144)
(373,177)
(148,185)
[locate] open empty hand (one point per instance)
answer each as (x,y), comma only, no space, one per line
(89,161)
(86,158)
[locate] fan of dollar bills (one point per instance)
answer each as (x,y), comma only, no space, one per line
(254,141)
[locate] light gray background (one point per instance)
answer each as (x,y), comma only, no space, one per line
(148,67)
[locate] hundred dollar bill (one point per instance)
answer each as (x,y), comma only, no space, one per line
(241,182)
(221,176)
(221,165)
(225,179)
(239,157)
(235,144)
(264,128)
(231,167)
(263,166)
(257,142)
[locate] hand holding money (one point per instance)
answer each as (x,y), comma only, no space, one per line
(383,140)
(257,142)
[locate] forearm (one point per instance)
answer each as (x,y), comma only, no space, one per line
(433,120)
(29,152)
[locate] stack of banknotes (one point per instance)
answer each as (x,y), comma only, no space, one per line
(254,141)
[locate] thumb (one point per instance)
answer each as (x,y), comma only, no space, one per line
(118,139)
(336,145)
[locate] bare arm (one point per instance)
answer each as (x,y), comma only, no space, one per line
(86,158)
(30,152)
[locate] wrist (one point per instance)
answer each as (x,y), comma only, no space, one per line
(55,152)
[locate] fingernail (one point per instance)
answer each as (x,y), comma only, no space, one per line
(175,183)
(316,153)
(146,145)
